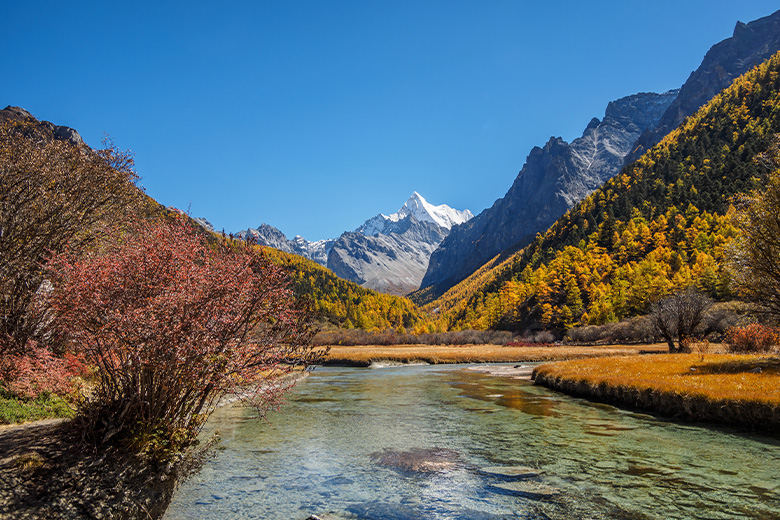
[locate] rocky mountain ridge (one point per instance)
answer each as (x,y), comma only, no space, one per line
(64,133)
(558,175)
(393,262)
(267,235)
(751,44)
(553,179)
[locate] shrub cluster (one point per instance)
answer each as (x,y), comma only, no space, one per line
(752,338)
(640,329)
(39,372)
(534,339)
(634,330)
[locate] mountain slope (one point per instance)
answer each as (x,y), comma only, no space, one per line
(750,45)
(392,262)
(333,300)
(552,180)
(658,226)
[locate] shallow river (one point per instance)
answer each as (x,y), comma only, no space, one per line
(414,442)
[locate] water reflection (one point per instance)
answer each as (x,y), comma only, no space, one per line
(412,442)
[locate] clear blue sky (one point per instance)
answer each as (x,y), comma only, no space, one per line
(313,116)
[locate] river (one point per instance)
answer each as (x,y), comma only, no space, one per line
(423,442)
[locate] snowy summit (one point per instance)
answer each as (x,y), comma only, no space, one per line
(422,210)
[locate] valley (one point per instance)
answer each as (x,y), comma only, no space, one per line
(603,341)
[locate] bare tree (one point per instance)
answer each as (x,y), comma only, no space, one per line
(754,258)
(53,194)
(676,317)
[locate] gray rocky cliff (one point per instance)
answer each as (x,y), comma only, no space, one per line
(62,133)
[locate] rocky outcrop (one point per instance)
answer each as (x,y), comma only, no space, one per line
(62,133)
(750,45)
(552,180)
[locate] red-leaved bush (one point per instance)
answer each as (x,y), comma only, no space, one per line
(752,338)
(38,371)
(171,324)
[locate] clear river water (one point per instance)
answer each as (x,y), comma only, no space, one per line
(423,442)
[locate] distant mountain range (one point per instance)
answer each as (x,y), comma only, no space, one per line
(560,174)
(388,253)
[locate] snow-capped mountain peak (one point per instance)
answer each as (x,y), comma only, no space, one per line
(423,210)
(416,206)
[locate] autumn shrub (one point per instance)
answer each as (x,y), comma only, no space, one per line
(633,330)
(752,338)
(38,371)
(172,323)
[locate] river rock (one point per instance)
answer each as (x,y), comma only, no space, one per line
(423,460)
(528,488)
(511,471)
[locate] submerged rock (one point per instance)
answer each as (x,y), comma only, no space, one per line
(424,460)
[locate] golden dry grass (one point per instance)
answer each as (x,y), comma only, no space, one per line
(719,378)
(366,354)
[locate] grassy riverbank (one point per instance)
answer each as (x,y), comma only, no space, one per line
(366,354)
(726,388)
(15,410)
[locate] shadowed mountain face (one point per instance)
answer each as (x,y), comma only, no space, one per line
(751,44)
(390,253)
(552,180)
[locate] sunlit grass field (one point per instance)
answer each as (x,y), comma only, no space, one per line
(365,355)
(747,378)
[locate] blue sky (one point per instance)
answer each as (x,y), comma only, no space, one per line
(314,116)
